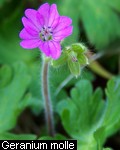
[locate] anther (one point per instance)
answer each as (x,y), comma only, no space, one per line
(44,39)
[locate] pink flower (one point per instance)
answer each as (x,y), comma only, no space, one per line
(45,28)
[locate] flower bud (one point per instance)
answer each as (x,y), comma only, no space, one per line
(74,67)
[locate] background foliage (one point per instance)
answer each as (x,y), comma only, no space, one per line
(86,108)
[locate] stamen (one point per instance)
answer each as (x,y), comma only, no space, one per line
(44,39)
(46,33)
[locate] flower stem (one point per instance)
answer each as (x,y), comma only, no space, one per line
(47,99)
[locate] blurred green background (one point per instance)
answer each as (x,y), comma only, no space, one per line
(96,24)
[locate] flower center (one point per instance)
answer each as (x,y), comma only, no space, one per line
(46,34)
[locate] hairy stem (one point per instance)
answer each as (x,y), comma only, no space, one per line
(47,100)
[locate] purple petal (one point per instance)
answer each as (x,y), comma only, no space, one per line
(44,11)
(40,19)
(63,23)
(31,28)
(30,44)
(55,49)
(60,35)
(55,23)
(44,47)
(31,15)
(25,35)
(53,15)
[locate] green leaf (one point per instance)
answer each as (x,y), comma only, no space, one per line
(82,145)
(112,116)
(107,149)
(55,81)
(111,121)
(59,62)
(57,137)
(9,10)
(10,49)
(100,20)
(115,5)
(5,75)
(11,136)
(2,2)
(11,52)
(89,119)
(13,98)
(80,119)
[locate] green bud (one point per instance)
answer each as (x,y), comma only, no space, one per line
(80,51)
(78,48)
(74,67)
(73,56)
(59,62)
(83,60)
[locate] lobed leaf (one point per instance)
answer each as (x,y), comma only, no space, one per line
(11,136)
(13,97)
(89,119)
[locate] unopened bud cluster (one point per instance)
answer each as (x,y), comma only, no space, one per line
(75,56)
